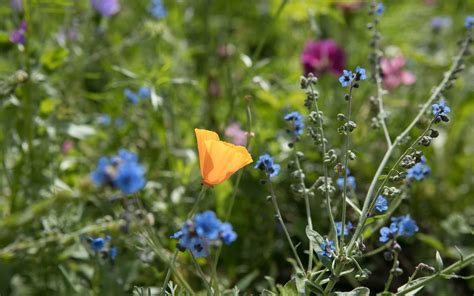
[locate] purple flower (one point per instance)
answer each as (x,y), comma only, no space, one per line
(17,5)
(18,36)
(106,7)
(323,56)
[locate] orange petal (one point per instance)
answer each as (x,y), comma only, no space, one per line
(223,160)
(203,135)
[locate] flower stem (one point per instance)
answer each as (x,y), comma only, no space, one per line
(282,223)
(325,169)
(392,272)
(307,205)
(436,93)
(460,264)
(171,267)
(346,161)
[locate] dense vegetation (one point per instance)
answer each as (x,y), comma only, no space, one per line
(104,190)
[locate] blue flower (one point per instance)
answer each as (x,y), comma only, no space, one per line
(122,172)
(347,228)
(205,229)
(328,248)
(207,225)
(351,182)
(419,171)
(360,73)
(113,253)
(104,119)
(102,175)
(98,243)
(439,22)
(346,78)
(265,163)
(441,109)
(387,233)
(157,9)
(406,225)
(296,120)
(131,96)
(469,21)
(379,9)
(381,204)
(106,7)
(144,92)
(177,235)
(403,226)
(227,233)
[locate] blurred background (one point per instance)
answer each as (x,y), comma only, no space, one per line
(64,104)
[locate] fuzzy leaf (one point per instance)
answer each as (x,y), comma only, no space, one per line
(361,291)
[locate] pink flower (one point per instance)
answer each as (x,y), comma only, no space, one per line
(67,146)
(323,56)
(236,134)
(393,73)
(350,6)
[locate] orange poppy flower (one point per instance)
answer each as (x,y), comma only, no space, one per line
(218,159)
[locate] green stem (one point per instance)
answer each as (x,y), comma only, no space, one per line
(378,81)
(307,205)
(436,93)
(282,223)
(460,264)
(375,251)
(171,267)
(392,273)
(346,162)
(201,273)
(325,169)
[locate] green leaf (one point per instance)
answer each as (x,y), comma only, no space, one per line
(245,282)
(266,292)
(361,291)
(371,220)
(439,261)
(316,240)
(411,284)
(54,58)
(318,290)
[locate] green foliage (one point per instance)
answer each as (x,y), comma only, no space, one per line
(205,62)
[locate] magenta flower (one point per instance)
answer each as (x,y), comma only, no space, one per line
(18,36)
(350,6)
(393,73)
(106,7)
(67,146)
(236,134)
(323,56)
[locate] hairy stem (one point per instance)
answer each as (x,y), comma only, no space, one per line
(282,223)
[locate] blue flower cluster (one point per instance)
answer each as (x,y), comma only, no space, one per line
(265,163)
(99,244)
(419,171)
(106,120)
(204,230)
(469,22)
(348,77)
(347,228)
(143,93)
(122,171)
(379,9)
(351,181)
(441,111)
(296,120)
(157,9)
(328,248)
(381,204)
(400,226)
